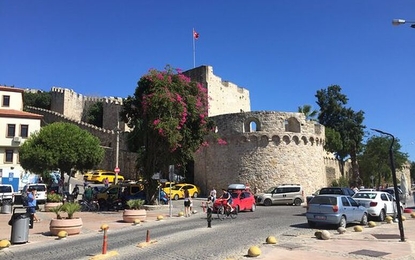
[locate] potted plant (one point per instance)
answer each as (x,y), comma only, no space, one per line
(52,200)
(135,211)
(70,224)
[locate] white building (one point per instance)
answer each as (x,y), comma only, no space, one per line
(16,126)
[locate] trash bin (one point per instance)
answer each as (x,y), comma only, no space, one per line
(20,222)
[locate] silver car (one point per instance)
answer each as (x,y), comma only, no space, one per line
(336,210)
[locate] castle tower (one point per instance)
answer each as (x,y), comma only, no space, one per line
(263,148)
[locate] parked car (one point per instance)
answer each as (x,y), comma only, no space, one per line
(332,190)
(6,193)
(123,192)
(242,199)
(391,191)
(378,203)
(291,194)
(41,190)
(336,210)
(99,177)
(177,192)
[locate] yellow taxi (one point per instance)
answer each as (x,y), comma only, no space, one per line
(99,176)
(177,192)
(88,176)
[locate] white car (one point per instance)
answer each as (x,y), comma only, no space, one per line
(379,204)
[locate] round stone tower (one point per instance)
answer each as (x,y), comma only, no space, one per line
(262,149)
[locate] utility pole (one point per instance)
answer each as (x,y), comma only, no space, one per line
(117,151)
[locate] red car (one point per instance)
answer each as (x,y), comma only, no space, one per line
(242,198)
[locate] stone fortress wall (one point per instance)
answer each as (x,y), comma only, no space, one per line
(264,149)
(224,97)
(68,106)
(282,147)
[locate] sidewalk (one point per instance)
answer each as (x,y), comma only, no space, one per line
(382,241)
(92,222)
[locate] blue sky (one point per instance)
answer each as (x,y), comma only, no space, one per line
(283,51)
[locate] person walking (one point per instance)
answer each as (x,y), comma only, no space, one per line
(187,202)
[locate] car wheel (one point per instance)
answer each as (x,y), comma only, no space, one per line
(382,215)
(297,202)
(311,224)
(253,208)
(364,220)
(195,195)
(176,197)
(342,222)
(267,202)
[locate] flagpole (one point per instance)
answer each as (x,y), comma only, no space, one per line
(194,48)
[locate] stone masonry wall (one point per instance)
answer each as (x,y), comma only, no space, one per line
(108,140)
(224,96)
(285,148)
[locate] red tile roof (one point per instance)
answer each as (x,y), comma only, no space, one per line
(19,114)
(11,89)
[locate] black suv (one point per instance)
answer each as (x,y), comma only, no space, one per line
(333,190)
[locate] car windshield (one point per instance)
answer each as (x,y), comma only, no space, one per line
(234,195)
(4,189)
(270,190)
(330,191)
(324,200)
(177,187)
(38,187)
(364,195)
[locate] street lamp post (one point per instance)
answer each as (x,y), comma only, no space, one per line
(397,22)
(395,183)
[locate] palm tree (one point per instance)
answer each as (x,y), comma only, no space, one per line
(308,112)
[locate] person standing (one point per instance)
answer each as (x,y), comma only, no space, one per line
(186,203)
(31,206)
(88,193)
(106,182)
(213,194)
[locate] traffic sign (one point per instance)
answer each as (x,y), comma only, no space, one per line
(117,170)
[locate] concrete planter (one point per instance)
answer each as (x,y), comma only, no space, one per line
(71,226)
(130,215)
(51,205)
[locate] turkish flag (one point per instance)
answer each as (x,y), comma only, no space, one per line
(195,35)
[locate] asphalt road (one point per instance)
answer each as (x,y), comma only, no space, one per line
(182,238)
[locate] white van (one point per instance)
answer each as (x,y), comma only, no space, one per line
(6,193)
(40,192)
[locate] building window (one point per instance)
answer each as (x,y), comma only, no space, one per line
(6,101)
(24,131)
(9,156)
(11,130)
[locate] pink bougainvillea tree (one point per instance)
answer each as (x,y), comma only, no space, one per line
(169,115)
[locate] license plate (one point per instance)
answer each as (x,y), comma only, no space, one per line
(320,217)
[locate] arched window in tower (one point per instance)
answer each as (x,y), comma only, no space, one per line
(292,125)
(252,125)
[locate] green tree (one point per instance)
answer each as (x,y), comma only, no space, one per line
(308,112)
(169,114)
(375,161)
(39,99)
(62,146)
(346,130)
(95,114)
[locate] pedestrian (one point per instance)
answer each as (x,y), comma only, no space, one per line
(75,192)
(187,202)
(106,182)
(31,206)
(88,193)
(212,195)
